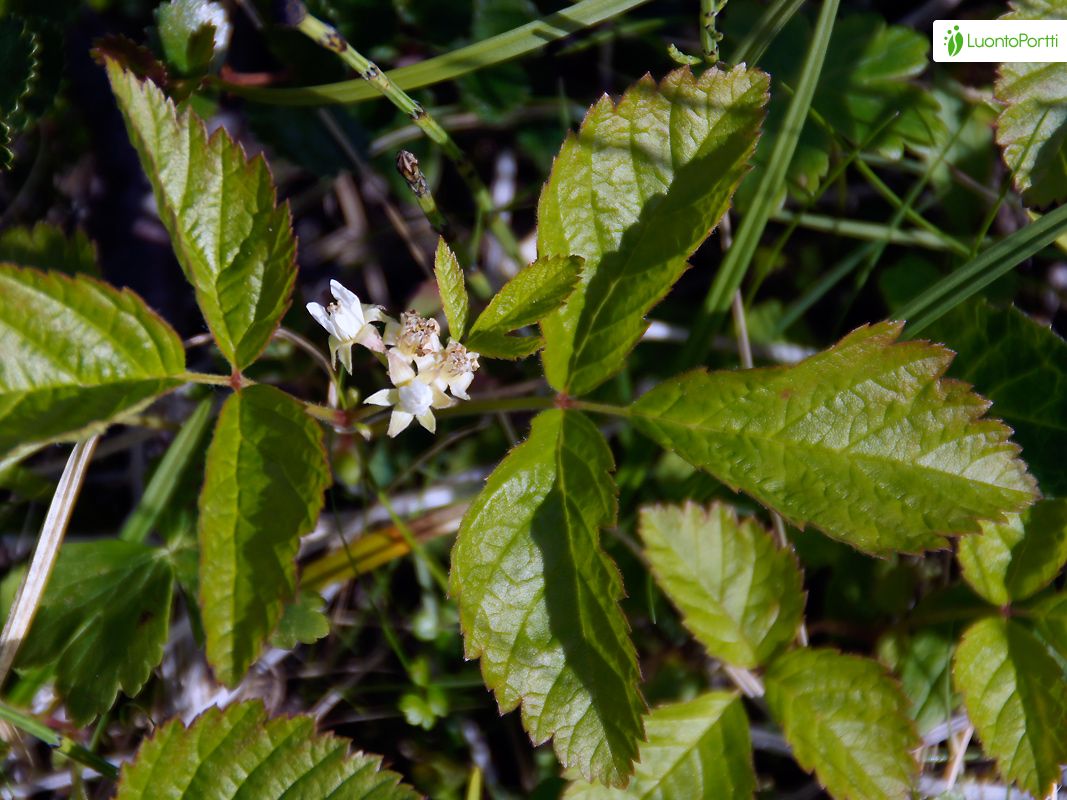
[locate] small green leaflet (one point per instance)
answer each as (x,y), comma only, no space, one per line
(102,624)
(538,598)
(634,193)
(453,288)
(696,749)
(865,441)
(739,594)
(1015,559)
(190,33)
(47,247)
(77,354)
(234,243)
(1016,697)
(263,489)
(844,717)
(536,291)
(240,753)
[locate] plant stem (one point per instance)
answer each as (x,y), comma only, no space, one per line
(57,741)
(328,37)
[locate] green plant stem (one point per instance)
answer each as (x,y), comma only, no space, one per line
(752,47)
(328,37)
(512,44)
(61,744)
(855,229)
(768,192)
(408,167)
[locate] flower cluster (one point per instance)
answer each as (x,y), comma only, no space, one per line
(423,372)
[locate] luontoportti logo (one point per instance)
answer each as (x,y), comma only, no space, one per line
(954,40)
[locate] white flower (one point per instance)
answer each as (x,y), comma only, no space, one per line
(455,370)
(415,338)
(348,322)
(414,397)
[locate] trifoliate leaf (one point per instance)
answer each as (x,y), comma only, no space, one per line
(865,441)
(698,748)
(538,598)
(739,594)
(1015,559)
(1022,367)
(844,718)
(453,288)
(536,291)
(302,622)
(192,33)
(634,193)
(1032,126)
(233,241)
(238,752)
(1016,697)
(76,353)
(103,623)
(47,247)
(263,489)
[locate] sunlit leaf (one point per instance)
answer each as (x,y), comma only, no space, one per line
(102,624)
(538,597)
(191,32)
(77,353)
(1014,559)
(238,752)
(634,193)
(233,241)
(699,748)
(263,489)
(739,594)
(844,718)
(453,289)
(865,441)
(1016,697)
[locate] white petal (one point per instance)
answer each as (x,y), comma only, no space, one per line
(322,316)
(430,361)
(398,422)
(391,332)
(373,313)
(459,385)
(371,339)
(414,397)
(441,400)
(344,350)
(383,397)
(400,371)
(427,421)
(343,295)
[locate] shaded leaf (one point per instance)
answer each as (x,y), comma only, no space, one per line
(238,752)
(1022,367)
(303,621)
(503,346)
(263,489)
(77,354)
(1032,126)
(844,718)
(739,594)
(1049,615)
(865,441)
(634,193)
(923,661)
(19,55)
(47,247)
(538,597)
(1016,698)
(102,624)
(697,748)
(1017,558)
(233,241)
(453,289)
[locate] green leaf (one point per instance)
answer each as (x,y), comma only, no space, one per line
(234,243)
(263,489)
(1022,367)
(923,661)
(19,54)
(1032,126)
(634,193)
(538,597)
(1016,698)
(536,291)
(865,441)
(77,354)
(453,289)
(739,594)
(46,247)
(1015,559)
(302,622)
(238,753)
(191,32)
(1049,616)
(844,718)
(698,748)
(102,624)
